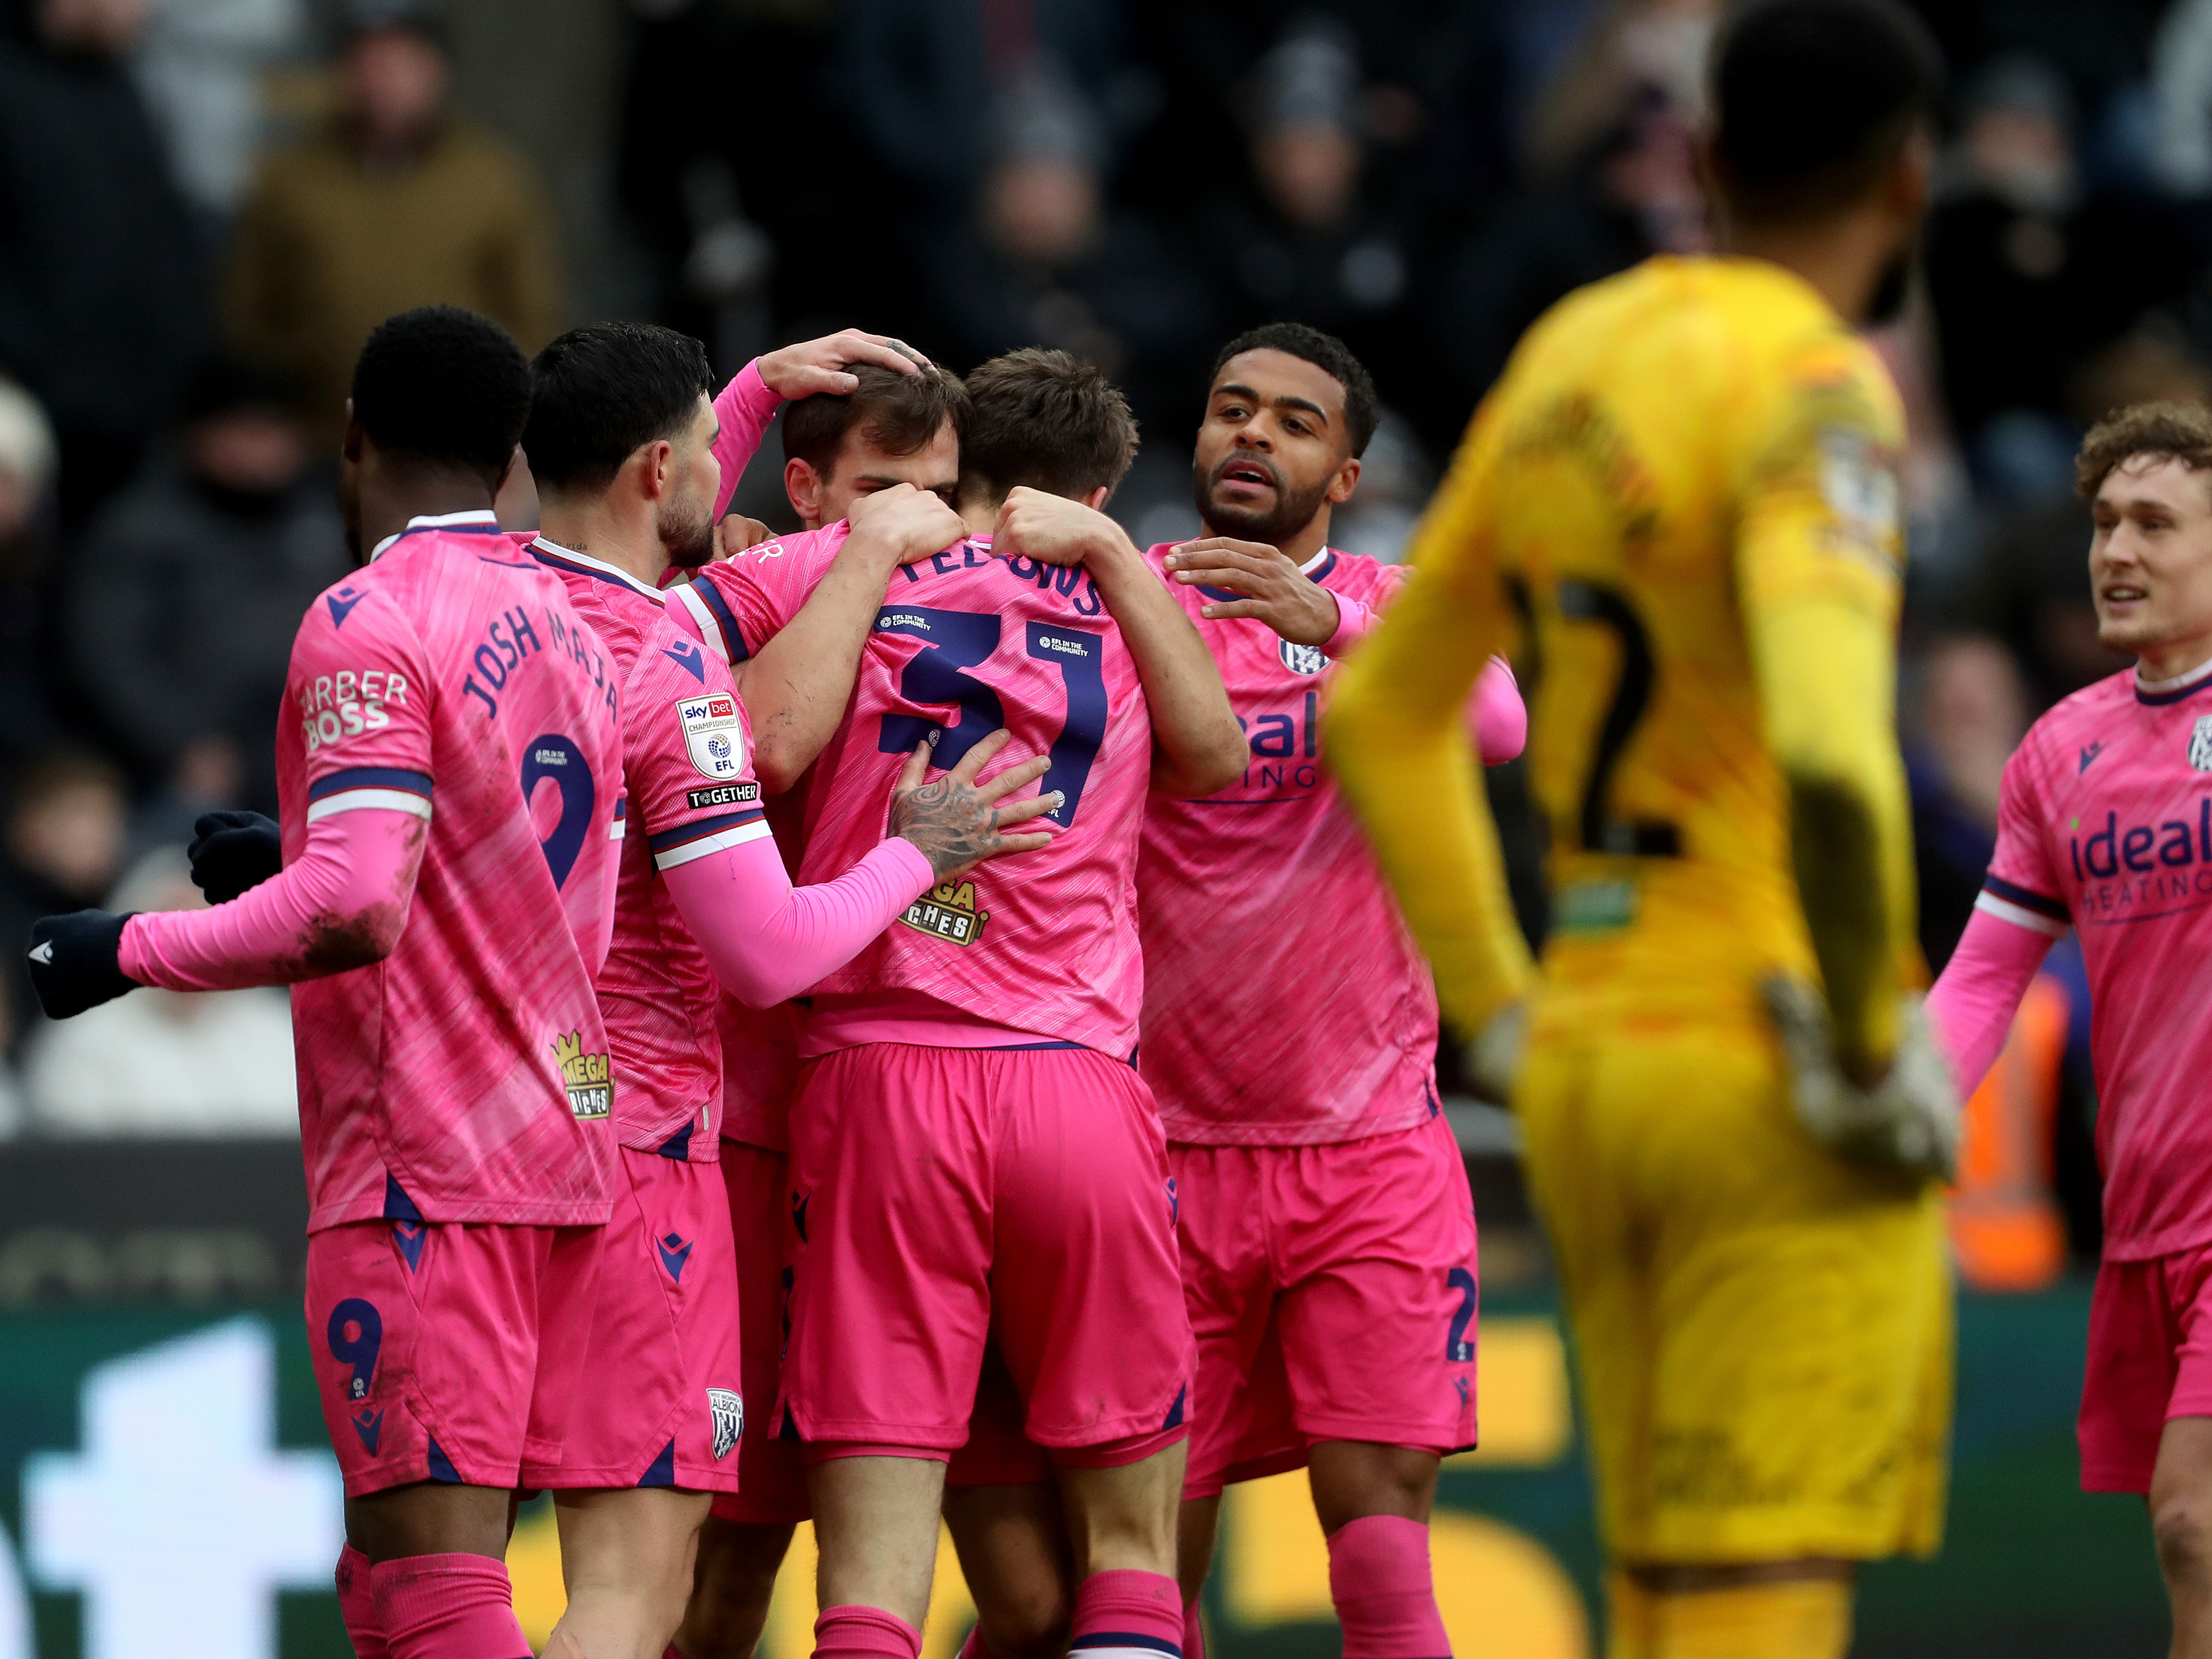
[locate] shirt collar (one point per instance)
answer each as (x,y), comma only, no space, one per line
(598,567)
(478,517)
(2169,690)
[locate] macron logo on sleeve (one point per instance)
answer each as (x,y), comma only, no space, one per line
(342,604)
(685,655)
(2089,752)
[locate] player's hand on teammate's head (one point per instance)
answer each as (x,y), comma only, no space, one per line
(231,851)
(735,533)
(909,524)
(812,366)
(957,823)
(74,962)
(1035,524)
(1910,1121)
(1277,591)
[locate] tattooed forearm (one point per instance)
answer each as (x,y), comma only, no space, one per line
(950,821)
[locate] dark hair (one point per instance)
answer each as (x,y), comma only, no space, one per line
(897,413)
(600,391)
(1325,352)
(2175,432)
(1046,419)
(1812,100)
(443,385)
(223,385)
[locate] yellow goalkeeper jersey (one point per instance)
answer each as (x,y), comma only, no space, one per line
(1679,508)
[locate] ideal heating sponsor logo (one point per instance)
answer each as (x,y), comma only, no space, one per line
(2132,872)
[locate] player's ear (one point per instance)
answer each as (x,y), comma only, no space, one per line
(1096,500)
(1345,481)
(802,485)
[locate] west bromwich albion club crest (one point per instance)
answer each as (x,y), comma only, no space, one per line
(1302,658)
(712,734)
(728,1409)
(2200,745)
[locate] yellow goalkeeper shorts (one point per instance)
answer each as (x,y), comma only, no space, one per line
(1763,1331)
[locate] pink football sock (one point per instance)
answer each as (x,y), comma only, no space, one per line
(1378,1576)
(853,1632)
(448,1606)
(973,1647)
(357,1606)
(1127,1614)
(1194,1632)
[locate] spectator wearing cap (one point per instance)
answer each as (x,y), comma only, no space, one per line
(2031,274)
(398,202)
(924,82)
(166,1062)
(1311,244)
(1042,261)
(100,278)
(185,595)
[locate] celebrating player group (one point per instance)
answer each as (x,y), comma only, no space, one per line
(895,1023)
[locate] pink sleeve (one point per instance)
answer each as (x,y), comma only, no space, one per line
(341,904)
(1973,1004)
(1497,718)
(1354,621)
(767,940)
(742,412)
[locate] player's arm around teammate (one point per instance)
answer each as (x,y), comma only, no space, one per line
(1198,747)
(795,685)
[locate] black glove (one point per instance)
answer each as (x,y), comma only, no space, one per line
(74,961)
(231,851)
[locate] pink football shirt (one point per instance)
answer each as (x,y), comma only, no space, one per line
(2105,821)
(465,1076)
(687,768)
(1042,943)
(1285,1002)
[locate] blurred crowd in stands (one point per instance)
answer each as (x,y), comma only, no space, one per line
(204,204)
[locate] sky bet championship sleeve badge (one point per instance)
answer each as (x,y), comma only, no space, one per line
(590,1081)
(711,734)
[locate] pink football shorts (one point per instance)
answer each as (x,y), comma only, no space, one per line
(448,1351)
(1333,1295)
(2150,1360)
(947,1197)
(771,1474)
(664,1405)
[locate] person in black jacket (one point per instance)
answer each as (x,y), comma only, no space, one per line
(101,274)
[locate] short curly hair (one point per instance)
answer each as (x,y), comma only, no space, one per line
(2177,432)
(1362,408)
(443,385)
(1046,419)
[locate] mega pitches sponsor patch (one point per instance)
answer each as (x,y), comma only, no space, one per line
(589,1079)
(712,735)
(947,911)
